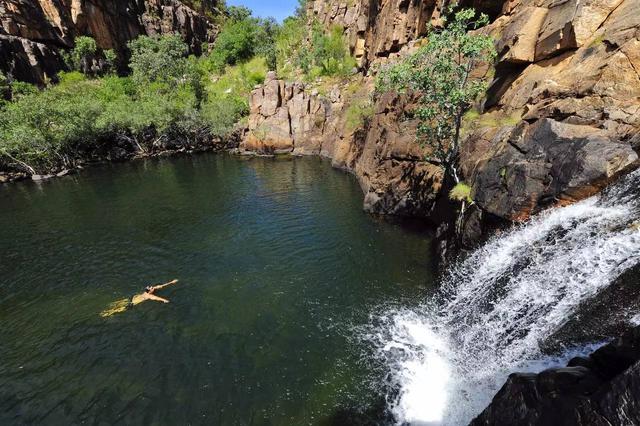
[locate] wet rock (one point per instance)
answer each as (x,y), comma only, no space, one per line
(599,390)
(41,177)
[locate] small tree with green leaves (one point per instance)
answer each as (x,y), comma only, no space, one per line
(82,54)
(441,74)
(158,59)
(110,59)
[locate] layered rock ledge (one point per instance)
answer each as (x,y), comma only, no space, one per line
(290,118)
(600,389)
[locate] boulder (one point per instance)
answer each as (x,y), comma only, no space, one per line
(545,163)
(599,390)
(517,42)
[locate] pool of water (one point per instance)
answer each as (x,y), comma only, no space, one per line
(278,268)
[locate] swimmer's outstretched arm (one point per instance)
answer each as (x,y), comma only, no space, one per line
(156,298)
(158,287)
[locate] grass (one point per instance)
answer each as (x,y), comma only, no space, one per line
(461,192)
(238,80)
(357,113)
(473,120)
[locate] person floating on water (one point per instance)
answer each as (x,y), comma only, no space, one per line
(148,294)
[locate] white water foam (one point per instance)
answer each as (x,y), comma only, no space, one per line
(447,359)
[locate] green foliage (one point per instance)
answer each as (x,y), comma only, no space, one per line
(228,94)
(357,113)
(85,48)
(441,73)
(238,13)
(158,59)
(324,54)
(52,128)
(5,89)
(289,45)
(21,88)
(243,37)
(111,59)
(461,192)
(330,52)
(301,10)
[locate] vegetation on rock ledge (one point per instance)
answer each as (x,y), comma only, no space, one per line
(441,73)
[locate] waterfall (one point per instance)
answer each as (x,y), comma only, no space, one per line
(448,357)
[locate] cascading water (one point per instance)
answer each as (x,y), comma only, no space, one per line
(447,358)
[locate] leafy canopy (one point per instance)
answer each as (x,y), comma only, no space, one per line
(158,59)
(441,73)
(243,37)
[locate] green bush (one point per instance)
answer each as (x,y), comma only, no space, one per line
(289,44)
(330,52)
(158,59)
(461,192)
(325,54)
(21,88)
(357,113)
(111,59)
(242,38)
(85,48)
(168,94)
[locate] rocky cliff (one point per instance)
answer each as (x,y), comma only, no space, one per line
(560,120)
(378,30)
(34,32)
(601,389)
(290,118)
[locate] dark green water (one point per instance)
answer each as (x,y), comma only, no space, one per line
(278,267)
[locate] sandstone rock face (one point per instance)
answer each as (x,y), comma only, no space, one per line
(380,29)
(545,163)
(568,69)
(599,390)
(32,32)
(289,118)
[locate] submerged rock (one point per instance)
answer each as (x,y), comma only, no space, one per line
(601,389)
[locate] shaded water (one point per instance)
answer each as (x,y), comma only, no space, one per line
(277,265)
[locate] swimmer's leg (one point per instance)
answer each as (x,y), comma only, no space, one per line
(116,307)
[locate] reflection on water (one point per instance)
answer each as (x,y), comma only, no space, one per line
(277,264)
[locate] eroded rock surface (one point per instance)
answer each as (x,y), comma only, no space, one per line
(380,151)
(601,389)
(567,71)
(548,162)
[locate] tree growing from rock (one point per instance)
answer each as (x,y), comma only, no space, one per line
(82,54)
(441,72)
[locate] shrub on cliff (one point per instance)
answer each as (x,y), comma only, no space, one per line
(441,73)
(242,38)
(320,53)
(5,89)
(158,59)
(82,54)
